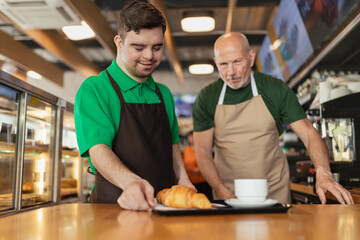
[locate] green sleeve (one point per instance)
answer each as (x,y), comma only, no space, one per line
(92,125)
(291,110)
(203,117)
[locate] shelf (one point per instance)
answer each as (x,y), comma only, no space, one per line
(6,145)
(27,199)
(346,106)
(70,153)
(65,192)
(9,148)
(341,163)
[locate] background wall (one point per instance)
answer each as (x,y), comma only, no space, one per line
(192,84)
(73,80)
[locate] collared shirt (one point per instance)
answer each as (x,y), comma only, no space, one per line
(97,106)
(279,99)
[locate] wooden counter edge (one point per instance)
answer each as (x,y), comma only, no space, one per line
(309,190)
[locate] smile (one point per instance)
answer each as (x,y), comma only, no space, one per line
(147,64)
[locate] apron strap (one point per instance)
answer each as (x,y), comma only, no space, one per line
(158,93)
(223,90)
(118,91)
(253,86)
(222,95)
(116,87)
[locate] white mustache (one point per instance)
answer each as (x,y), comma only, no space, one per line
(230,78)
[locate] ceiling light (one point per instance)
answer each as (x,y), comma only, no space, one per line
(198,21)
(201,69)
(9,68)
(33,75)
(78,32)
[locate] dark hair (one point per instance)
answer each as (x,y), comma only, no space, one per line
(136,15)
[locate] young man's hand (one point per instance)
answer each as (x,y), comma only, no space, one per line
(139,195)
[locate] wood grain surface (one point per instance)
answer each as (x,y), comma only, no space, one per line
(109,221)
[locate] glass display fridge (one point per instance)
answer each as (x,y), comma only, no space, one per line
(39,159)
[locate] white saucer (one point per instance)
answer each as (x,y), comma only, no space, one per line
(235,203)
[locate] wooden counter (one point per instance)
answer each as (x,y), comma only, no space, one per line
(109,221)
(304,188)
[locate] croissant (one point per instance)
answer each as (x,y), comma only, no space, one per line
(182,197)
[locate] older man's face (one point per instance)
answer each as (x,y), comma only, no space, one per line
(234,64)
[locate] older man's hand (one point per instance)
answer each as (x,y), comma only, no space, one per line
(325,182)
(222,192)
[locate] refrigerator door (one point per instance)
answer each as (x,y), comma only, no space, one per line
(9,104)
(39,152)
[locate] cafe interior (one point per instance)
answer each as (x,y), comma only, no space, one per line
(49,47)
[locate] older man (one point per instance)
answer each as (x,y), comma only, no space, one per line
(241,114)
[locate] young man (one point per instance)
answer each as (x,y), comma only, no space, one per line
(125,122)
(241,114)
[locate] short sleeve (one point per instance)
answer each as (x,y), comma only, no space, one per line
(92,125)
(202,118)
(291,110)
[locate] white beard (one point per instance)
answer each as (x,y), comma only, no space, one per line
(241,85)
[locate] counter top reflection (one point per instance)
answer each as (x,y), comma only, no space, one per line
(109,221)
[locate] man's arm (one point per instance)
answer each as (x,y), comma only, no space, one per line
(137,194)
(319,155)
(203,148)
(179,168)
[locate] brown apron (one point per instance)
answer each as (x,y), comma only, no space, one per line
(247,145)
(143,144)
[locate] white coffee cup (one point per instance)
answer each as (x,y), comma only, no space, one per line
(251,190)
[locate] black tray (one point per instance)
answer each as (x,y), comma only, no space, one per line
(277,208)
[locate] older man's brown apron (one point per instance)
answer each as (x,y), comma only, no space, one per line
(143,144)
(247,145)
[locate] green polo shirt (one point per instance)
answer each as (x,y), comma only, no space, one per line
(97,106)
(279,99)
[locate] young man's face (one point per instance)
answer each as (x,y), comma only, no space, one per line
(140,54)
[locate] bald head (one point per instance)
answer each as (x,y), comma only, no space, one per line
(231,39)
